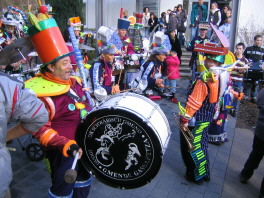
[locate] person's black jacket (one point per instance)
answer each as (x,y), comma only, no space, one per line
(176,46)
(254,53)
(151,27)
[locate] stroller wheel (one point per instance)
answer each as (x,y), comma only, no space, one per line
(34,152)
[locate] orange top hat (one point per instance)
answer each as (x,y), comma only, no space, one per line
(76,23)
(48,41)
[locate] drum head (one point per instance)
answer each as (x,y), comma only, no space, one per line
(119,148)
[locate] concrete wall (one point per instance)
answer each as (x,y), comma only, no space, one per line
(168,4)
(90,13)
(251,12)
(110,11)
(112,8)
(250,21)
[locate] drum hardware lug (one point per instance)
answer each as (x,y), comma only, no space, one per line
(116,103)
(151,113)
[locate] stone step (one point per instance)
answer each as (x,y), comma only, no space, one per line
(186,53)
(183,49)
(185,58)
(183,74)
(186,69)
(185,62)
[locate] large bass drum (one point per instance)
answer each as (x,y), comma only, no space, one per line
(124,140)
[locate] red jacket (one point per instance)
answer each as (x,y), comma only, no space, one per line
(173,67)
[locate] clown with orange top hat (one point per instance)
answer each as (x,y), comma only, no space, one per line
(67,103)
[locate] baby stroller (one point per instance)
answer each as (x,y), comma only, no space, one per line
(33,149)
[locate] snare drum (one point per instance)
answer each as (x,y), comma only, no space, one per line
(124,140)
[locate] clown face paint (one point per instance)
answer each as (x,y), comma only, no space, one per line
(62,69)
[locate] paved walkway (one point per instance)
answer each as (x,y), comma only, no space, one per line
(31,179)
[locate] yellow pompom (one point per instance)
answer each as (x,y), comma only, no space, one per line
(79,105)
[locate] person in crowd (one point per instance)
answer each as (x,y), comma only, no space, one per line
(175,43)
(153,21)
(173,72)
(149,76)
(229,13)
(225,28)
(257,152)
(10,29)
(203,29)
(167,19)
(17,104)
(101,73)
(173,21)
(225,12)
(125,14)
(202,38)
(145,20)
(126,49)
(68,104)
(174,9)
(255,55)
(181,18)
(237,74)
(200,108)
(122,28)
(214,17)
(199,13)
(161,22)
(76,24)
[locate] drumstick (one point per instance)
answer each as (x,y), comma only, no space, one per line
(119,76)
(171,87)
(129,89)
(171,73)
(11,149)
(71,174)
